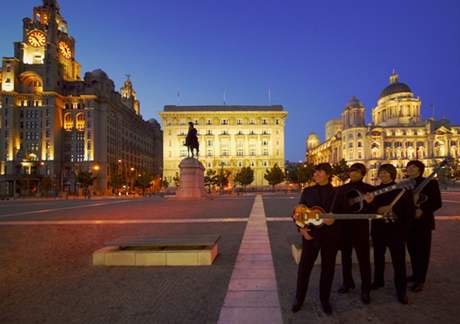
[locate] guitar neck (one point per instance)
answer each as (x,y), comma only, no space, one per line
(384,190)
(430,177)
(349,216)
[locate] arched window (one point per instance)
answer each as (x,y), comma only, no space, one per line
(80,122)
(68,122)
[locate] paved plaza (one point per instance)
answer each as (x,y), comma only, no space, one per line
(47,277)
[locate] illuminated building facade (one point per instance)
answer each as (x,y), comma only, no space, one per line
(231,137)
(53,123)
(397,134)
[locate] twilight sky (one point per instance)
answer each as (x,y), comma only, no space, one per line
(313,55)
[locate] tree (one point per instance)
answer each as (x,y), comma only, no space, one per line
(164,184)
(210,179)
(176,180)
(144,180)
(223,178)
(274,176)
(46,183)
(85,179)
(116,181)
(340,170)
(244,177)
(299,173)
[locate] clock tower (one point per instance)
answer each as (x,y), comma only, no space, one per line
(48,47)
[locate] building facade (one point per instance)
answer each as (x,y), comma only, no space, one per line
(397,134)
(230,137)
(54,124)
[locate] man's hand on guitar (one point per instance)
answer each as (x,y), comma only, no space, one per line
(304,231)
(328,221)
(418,213)
(384,210)
(368,197)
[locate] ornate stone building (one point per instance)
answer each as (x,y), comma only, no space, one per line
(229,136)
(396,134)
(53,123)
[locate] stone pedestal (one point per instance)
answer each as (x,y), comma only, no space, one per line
(191,184)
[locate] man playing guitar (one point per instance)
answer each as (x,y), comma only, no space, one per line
(354,233)
(391,234)
(419,239)
(315,239)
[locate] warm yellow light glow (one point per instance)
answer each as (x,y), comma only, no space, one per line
(96,167)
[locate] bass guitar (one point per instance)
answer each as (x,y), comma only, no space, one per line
(304,216)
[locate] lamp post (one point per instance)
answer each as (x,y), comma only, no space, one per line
(96,169)
(132,176)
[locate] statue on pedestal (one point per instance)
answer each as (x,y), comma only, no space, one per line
(191,141)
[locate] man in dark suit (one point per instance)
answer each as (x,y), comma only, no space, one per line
(316,239)
(391,234)
(354,233)
(419,239)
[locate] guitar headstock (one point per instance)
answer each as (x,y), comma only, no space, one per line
(445,162)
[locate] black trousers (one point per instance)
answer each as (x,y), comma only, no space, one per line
(395,240)
(419,247)
(355,234)
(325,241)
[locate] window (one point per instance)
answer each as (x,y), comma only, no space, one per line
(252,122)
(360,144)
(238,121)
(350,145)
(224,122)
(239,152)
(80,122)
(68,122)
(277,122)
(209,122)
(264,143)
(264,122)
(209,143)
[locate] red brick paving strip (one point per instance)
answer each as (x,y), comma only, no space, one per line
(252,295)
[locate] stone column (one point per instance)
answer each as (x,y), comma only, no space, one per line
(191,183)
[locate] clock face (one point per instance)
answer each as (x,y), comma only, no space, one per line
(65,50)
(36,38)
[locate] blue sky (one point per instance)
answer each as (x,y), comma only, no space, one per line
(313,55)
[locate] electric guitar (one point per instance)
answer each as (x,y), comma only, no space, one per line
(304,216)
(355,198)
(419,197)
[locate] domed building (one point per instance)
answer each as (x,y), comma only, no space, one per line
(397,134)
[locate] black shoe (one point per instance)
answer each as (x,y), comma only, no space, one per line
(411,278)
(327,308)
(376,285)
(403,299)
(345,288)
(417,287)
(365,297)
(296,307)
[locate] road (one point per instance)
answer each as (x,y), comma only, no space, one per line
(47,276)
